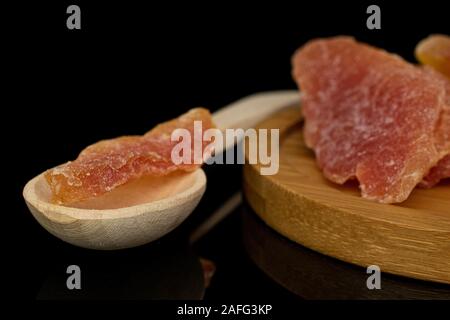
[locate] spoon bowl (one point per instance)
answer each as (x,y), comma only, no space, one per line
(131,215)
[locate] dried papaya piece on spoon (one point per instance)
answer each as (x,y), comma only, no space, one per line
(107,164)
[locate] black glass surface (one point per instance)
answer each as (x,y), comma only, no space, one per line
(135,65)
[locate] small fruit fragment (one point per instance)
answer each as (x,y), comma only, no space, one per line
(435,52)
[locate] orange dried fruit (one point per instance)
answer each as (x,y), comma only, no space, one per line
(107,164)
(435,52)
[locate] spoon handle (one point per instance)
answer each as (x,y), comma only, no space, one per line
(249,111)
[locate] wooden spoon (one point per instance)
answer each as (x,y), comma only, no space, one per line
(147,209)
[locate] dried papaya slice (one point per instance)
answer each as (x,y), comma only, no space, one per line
(107,164)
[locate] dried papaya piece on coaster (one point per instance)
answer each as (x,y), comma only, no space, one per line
(371,116)
(434,52)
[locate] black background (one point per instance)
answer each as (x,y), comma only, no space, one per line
(133,65)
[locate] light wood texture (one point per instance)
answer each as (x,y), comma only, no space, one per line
(410,239)
(147,209)
(249,111)
(118,228)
